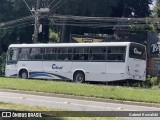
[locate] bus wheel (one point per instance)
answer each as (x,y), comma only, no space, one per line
(24,74)
(79,77)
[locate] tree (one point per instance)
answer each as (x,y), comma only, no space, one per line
(157,9)
(5,7)
(96,8)
(101,8)
(12,10)
(132,8)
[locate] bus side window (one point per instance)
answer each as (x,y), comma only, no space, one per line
(23,54)
(50,54)
(35,54)
(97,53)
(81,53)
(65,54)
(116,53)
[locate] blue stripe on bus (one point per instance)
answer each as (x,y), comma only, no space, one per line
(14,75)
(37,74)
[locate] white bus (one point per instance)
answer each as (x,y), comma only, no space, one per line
(103,62)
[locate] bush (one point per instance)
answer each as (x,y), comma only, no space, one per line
(2,64)
(150,81)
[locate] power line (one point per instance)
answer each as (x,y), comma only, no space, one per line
(89,20)
(51,3)
(84,21)
(81,22)
(18,26)
(13,22)
(56,6)
(67,18)
(28,6)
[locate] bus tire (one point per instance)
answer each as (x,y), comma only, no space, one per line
(79,77)
(23,74)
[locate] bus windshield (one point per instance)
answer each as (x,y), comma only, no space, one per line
(12,56)
(137,51)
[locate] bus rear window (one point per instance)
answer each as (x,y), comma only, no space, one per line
(137,51)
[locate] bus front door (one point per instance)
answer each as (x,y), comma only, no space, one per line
(11,63)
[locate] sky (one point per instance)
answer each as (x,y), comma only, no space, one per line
(154,1)
(152,6)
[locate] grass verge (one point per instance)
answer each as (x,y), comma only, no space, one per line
(88,90)
(16,107)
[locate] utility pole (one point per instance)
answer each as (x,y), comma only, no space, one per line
(36,16)
(36,24)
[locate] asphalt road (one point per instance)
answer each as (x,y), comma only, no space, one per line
(73,104)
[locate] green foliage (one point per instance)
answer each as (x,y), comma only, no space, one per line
(12,10)
(151,81)
(88,7)
(156,14)
(102,8)
(157,9)
(126,8)
(54,37)
(2,64)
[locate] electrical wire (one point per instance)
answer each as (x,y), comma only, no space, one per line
(28,6)
(65,18)
(18,21)
(84,21)
(81,21)
(56,6)
(17,27)
(51,3)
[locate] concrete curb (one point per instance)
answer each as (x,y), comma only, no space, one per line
(83,98)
